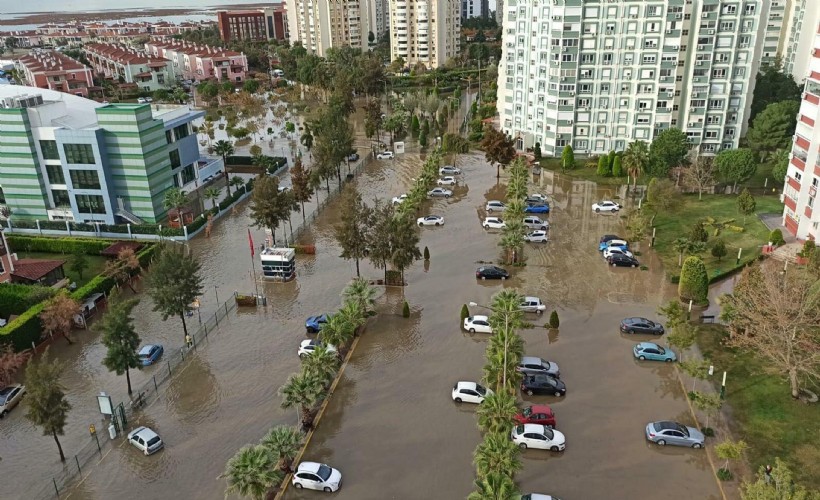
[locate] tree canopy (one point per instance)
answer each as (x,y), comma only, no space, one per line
(773,128)
(736,165)
(174,283)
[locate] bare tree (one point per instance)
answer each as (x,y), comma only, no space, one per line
(123,267)
(776,316)
(58,315)
(10,363)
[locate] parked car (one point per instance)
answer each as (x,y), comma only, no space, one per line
(399,199)
(622,244)
(353,156)
(308,346)
(480,324)
(535,222)
(605,206)
(449,170)
(666,432)
(537,208)
(538,436)
(641,325)
(314,323)
(9,398)
(616,249)
(537,237)
(385,155)
(543,384)
(316,476)
(653,352)
(149,354)
(494,206)
(470,392)
(142,100)
(532,305)
(145,440)
(439,193)
(536,198)
(533,365)
(430,220)
(622,260)
(605,239)
(493,223)
(447,181)
(491,273)
(538,496)
(536,414)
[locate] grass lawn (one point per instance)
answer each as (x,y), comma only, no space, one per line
(588,174)
(96,264)
(677,224)
(763,411)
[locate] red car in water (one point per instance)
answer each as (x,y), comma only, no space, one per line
(537,414)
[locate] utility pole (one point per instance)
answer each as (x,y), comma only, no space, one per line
(478,97)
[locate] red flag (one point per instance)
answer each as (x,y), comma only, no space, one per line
(250,242)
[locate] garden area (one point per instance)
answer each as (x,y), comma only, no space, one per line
(95,264)
(763,413)
(674,224)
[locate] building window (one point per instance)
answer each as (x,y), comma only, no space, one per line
(49,150)
(61,198)
(90,204)
(181,131)
(85,179)
(55,174)
(79,154)
(188,174)
(169,138)
(174,157)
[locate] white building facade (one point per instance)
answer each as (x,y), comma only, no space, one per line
(425,31)
(321,24)
(598,74)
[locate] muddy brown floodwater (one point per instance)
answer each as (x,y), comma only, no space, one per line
(391,426)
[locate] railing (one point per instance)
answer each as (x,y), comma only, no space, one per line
(143,396)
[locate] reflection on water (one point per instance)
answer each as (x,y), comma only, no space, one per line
(193,394)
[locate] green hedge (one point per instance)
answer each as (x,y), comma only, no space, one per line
(24,330)
(16,298)
(88,246)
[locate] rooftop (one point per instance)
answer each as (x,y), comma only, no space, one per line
(122,54)
(49,61)
(34,269)
(192,49)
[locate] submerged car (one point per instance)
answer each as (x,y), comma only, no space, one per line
(470,392)
(449,170)
(621,260)
(605,239)
(538,236)
(539,437)
(532,305)
(653,352)
(314,323)
(316,476)
(480,324)
(491,273)
(149,354)
(533,365)
(145,440)
(537,208)
(536,414)
(535,222)
(494,206)
(385,155)
(641,325)
(666,432)
(493,223)
(439,193)
(447,181)
(9,398)
(309,346)
(397,200)
(430,220)
(605,206)
(543,384)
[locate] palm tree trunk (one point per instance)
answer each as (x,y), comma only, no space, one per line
(357,268)
(290,224)
(225,167)
(59,446)
(128,378)
(498,171)
(303,213)
(184,326)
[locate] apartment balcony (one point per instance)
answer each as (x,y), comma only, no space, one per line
(802,143)
(791,203)
(791,181)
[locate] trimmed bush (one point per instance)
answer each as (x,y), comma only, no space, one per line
(465,312)
(24,329)
(698,232)
(405,310)
(426,254)
(776,237)
(617,169)
(88,246)
(16,298)
(554,323)
(603,166)
(719,249)
(694,281)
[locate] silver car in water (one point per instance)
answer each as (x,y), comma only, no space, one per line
(666,432)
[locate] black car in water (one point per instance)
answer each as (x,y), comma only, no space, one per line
(641,325)
(491,273)
(622,260)
(542,384)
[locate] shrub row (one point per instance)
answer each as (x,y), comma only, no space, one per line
(88,246)
(17,298)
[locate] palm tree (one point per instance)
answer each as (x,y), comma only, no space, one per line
(504,352)
(495,486)
(175,198)
(208,130)
(338,331)
(360,291)
(303,391)
(284,443)
(212,193)
(496,413)
(321,363)
(636,159)
(512,238)
(252,472)
(224,149)
(496,454)
(236,181)
(680,245)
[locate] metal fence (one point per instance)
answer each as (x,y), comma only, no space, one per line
(97,446)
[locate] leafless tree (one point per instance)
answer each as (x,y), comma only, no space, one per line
(700,175)
(776,316)
(10,362)
(58,315)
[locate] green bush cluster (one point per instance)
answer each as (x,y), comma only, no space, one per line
(776,237)
(88,246)
(17,298)
(694,281)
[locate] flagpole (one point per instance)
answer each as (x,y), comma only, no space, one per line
(253,265)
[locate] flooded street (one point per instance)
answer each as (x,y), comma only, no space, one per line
(391,427)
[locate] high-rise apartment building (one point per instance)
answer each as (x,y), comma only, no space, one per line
(799,33)
(321,24)
(425,31)
(598,74)
(269,23)
(474,8)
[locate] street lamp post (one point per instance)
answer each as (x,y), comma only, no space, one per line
(506,337)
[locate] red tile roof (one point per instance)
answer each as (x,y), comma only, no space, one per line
(50,61)
(34,269)
(121,54)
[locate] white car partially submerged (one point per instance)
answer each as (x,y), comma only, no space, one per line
(439,193)
(480,324)
(605,206)
(309,346)
(537,237)
(145,440)
(538,436)
(447,181)
(449,170)
(316,476)
(494,206)
(399,199)
(470,392)
(493,223)
(385,155)
(430,220)
(616,249)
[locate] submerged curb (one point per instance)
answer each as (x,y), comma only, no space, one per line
(286,481)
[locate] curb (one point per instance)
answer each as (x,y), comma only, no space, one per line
(317,419)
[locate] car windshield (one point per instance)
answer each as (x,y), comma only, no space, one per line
(324,472)
(519,429)
(480,389)
(661,350)
(548,432)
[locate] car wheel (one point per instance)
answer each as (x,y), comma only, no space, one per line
(597,210)
(503,278)
(298,486)
(490,210)
(543,228)
(668,360)
(458,400)
(631,332)
(697,446)
(302,356)
(438,223)
(529,392)
(420,224)
(446,195)
(613,264)
(539,312)
(486,227)
(439,183)
(472,330)
(327,490)
(634,265)
(554,448)
(661,442)
(642,358)
(557,394)
(523,446)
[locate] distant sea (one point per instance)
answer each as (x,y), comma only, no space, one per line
(13,10)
